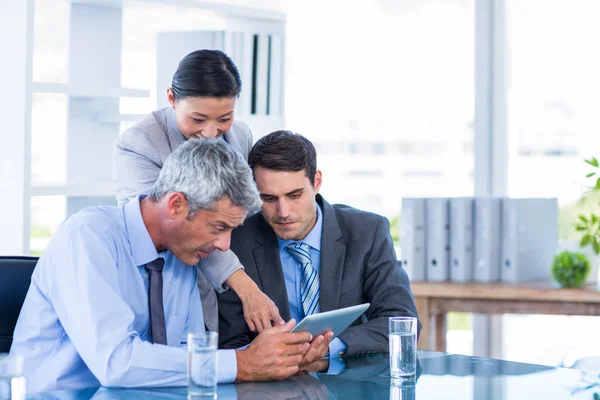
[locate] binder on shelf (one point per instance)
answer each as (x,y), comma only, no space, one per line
(461,239)
(486,267)
(436,239)
(529,238)
(412,238)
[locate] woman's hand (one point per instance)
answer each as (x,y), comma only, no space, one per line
(259,309)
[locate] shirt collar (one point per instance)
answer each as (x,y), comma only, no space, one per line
(142,247)
(313,239)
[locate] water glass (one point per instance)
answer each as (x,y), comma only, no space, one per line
(12,382)
(403,346)
(403,389)
(202,364)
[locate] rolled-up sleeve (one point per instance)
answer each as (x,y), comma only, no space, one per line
(218,267)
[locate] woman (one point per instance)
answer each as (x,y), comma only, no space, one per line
(202,99)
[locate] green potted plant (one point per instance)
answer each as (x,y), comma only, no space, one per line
(588,224)
(570,269)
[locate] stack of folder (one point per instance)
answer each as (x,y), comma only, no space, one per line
(480,239)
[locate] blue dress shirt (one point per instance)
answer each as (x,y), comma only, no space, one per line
(85,319)
(292,274)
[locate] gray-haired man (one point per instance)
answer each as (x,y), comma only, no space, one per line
(113,296)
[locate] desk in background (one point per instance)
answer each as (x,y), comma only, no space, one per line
(436,300)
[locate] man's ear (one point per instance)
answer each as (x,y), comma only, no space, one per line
(318,180)
(176,205)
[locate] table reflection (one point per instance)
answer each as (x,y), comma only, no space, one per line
(439,375)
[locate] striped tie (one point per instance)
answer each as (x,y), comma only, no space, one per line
(309,287)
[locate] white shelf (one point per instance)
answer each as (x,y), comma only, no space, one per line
(74,91)
(89,190)
(121,117)
(239,10)
(104,3)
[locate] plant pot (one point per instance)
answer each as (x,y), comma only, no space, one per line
(571,245)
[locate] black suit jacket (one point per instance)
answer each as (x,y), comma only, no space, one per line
(358,265)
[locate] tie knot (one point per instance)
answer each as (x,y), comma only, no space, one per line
(300,251)
(156,265)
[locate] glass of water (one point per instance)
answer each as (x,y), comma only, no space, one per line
(202,364)
(403,346)
(12,382)
(403,389)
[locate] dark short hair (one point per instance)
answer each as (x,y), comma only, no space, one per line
(208,73)
(285,151)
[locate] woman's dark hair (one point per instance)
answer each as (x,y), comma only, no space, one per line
(209,73)
(285,151)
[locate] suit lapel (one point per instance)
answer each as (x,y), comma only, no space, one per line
(268,265)
(333,253)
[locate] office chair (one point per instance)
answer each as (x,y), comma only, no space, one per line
(16,277)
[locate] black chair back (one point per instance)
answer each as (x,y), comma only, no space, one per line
(15,277)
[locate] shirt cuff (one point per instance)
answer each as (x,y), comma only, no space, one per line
(336,347)
(227,366)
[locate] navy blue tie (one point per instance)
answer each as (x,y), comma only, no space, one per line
(155,299)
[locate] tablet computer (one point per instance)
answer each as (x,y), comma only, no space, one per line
(335,320)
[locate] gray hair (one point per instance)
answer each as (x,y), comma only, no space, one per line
(207,170)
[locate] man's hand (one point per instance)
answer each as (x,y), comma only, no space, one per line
(321,365)
(275,354)
(259,310)
(296,387)
(313,388)
(318,348)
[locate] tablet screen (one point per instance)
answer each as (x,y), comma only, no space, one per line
(335,320)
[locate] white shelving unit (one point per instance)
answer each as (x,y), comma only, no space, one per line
(90,190)
(98,91)
(16,23)
(121,117)
(254,38)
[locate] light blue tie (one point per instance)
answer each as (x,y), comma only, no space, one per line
(309,287)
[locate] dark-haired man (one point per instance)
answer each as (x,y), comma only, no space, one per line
(309,256)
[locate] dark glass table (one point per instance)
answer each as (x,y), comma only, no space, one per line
(439,376)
